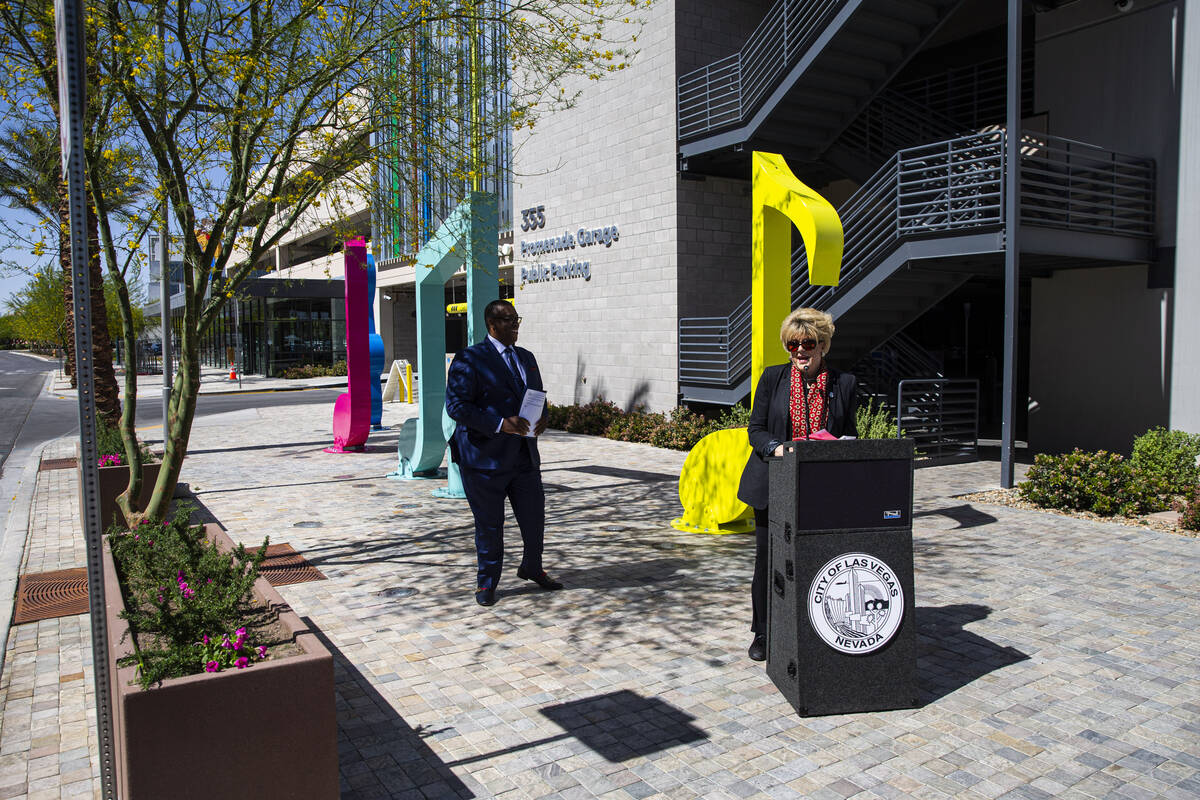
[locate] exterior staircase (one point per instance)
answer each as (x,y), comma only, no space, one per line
(805,74)
(928,220)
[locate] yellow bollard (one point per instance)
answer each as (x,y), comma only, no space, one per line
(708,485)
(408,390)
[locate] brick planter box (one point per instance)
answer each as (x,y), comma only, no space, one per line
(113,481)
(269,731)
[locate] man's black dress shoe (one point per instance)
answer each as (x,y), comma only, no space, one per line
(485,596)
(758,648)
(541,579)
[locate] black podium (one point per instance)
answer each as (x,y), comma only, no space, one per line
(841,633)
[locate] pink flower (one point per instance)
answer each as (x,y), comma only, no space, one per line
(204,639)
(212,666)
(242,663)
(225,643)
(262,652)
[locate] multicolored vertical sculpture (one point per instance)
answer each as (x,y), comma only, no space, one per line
(376,347)
(709,479)
(468,238)
(352,411)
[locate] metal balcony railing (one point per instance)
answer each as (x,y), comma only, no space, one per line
(942,189)
(726,91)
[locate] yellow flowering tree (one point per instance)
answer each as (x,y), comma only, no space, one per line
(249,115)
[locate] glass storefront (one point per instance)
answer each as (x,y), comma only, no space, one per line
(306,325)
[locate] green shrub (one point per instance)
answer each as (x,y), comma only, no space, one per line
(733,417)
(1165,461)
(591,419)
(681,430)
(875,422)
(636,426)
(1101,482)
(1189,515)
(339,368)
(186,601)
(110,447)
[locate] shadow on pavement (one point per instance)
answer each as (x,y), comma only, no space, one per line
(623,725)
(950,657)
(966,515)
(379,754)
(618,726)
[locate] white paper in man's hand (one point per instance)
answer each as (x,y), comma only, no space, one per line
(532,406)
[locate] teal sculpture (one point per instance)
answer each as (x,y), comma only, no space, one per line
(467,238)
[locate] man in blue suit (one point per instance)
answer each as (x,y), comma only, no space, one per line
(495,455)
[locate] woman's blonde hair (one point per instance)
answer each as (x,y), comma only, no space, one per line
(807,323)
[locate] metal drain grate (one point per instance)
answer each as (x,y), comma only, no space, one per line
(284,566)
(46,595)
(58,463)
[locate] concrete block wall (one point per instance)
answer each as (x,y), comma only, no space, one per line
(712,29)
(610,161)
(714,246)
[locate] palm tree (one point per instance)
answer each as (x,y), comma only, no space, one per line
(31,179)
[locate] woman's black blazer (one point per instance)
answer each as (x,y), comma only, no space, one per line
(771,422)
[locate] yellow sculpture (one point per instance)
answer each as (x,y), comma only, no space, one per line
(781,200)
(709,479)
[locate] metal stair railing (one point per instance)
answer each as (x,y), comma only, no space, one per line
(973,96)
(941,415)
(726,91)
(937,188)
(943,188)
(880,371)
(893,121)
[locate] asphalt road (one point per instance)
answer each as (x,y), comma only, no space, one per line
(32,417)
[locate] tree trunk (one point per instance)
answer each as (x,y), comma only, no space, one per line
(181,411)
(64,261)
(108,398)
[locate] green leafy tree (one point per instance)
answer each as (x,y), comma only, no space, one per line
(37,311)
(8,331)
(252,116)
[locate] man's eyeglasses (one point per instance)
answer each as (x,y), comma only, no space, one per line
(801,344)
(509,320)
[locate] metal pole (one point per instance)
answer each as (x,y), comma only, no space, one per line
(69,34)
(1012,206)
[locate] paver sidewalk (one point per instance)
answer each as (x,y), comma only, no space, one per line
(1057,657)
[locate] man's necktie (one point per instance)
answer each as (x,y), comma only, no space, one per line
(510,358)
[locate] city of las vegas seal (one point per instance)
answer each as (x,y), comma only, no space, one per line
(855,603)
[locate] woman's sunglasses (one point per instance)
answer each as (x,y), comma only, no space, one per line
(801,344)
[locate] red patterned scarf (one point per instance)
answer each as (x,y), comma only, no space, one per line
(815,404)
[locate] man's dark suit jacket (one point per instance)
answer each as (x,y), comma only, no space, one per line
(771,421)
(480,392)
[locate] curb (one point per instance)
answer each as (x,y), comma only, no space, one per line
(16,536)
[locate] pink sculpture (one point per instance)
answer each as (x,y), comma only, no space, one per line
(352,411)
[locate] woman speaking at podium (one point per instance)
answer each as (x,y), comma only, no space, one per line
(802,399)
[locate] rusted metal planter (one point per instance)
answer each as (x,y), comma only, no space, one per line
(267,731)
(113,481)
